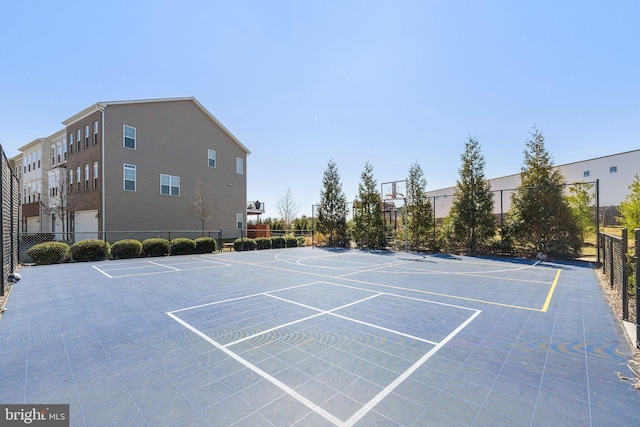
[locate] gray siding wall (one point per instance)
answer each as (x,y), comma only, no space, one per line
(172,138)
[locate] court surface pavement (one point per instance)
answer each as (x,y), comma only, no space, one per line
(317,337)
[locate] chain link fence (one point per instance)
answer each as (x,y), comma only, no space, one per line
(9,215)
(618,268)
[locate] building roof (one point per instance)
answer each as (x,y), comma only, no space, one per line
(99,106)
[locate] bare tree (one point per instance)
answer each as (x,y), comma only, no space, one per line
(57,199)
(202,207)
(287,208)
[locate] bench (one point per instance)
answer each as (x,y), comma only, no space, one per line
(227,245)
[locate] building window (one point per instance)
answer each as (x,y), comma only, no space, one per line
(70,180)
(613,169)
(239,221)
(70,141)
(78,138)
(239,166)
(130,177)
(86,177)
(64,151)
(95,175)
(39,155)
(212,158)
(86,136)
(95,132)
(59,153)
(53,155)
(129,137)
(170,185)
(78,177)
(586,174)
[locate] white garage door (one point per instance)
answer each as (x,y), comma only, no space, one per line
(86,224)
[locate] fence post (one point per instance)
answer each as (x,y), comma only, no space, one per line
(611,262)
(598,237)
(637,237)
(624,252)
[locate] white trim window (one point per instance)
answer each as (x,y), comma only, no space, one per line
(53,154)
(239,221)
(70,180)
(129,172)
(95,175)
(239,165)
(169,185)
(129,137)
(86,176)
(86,136)
(95,132)
(70,141)
(211,154)
(78,139)
(78,177)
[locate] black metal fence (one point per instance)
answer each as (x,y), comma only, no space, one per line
(621,270)
(9,216)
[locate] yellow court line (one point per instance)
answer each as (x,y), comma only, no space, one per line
(553,288)
(342,277)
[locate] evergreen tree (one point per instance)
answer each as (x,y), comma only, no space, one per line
(630,207)
(368,222)
(332,213)
(472,219)
(580,199)
(419,211)
(540,217)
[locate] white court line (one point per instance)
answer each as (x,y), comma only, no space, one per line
(247,296)
(316,408)
(388,389)
(320,313)
(115,269)
(291,392)
(163,265)
(102,271)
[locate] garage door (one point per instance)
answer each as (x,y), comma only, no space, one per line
(86,224)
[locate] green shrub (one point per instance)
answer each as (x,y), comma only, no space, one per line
(278,242)
(302,241)
(205,245)
(49,253)
(125,249)
(155,247)
(244,244)
(263,243)
(182,246)
(90,250)
(291,241)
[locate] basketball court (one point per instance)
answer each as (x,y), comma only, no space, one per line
(317,337)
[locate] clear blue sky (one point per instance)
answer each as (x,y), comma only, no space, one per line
(303,82)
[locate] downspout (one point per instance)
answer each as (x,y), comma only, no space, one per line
(102,185)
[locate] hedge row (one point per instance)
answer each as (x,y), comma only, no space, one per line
(99,250)
(249,244)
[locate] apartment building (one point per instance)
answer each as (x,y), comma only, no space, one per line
(134,166)
(614,173)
